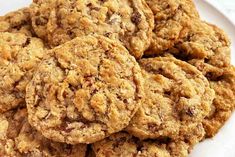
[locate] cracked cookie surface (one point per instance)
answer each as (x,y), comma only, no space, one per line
(127,21)
(204,41)
(171,18)
(123,144)
(222,80)
(19,139)
(207,47)
(17,22)
(19,55)
(177,99)
(88,89)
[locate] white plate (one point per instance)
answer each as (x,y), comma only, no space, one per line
(223,144)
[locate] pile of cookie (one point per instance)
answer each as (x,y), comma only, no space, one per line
(110,78)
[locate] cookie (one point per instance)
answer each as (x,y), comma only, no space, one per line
(89,88)
(127,21)
(18,138)
(19,55)
(205,41)
(124,145)
(207,47)
(171,19)
(177,99)
(17,22)
(222,80)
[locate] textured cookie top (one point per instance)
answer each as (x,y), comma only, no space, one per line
(207,47)
(127,21)
(17,22)
(88,89)
(123,144)
(224,103)
(205,41)
(171,18)
(178,98)
(19,55)
(18,138)
(222,80)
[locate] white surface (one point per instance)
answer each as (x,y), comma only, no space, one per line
(223,145)
(11,5)
(229,7)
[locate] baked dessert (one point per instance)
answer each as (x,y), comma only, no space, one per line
(171,18)
(222,80)
(122,144)
(17,22)
(177,99)
(127,21)
(204,41)
(19,139)
(88,89)
(19,55)
(207,47)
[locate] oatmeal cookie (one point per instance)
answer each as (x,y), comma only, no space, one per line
(205,41)
(89,88)
(19,55)
(222,80)
(208,48)
(124,145)
(177,99)
(171,19)
(127,21)
(19,139)
(17,22)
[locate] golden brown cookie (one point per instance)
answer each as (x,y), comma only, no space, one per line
(19,139)
(89,88)
(124,145)
(177,99)
(205,41)
(17,22)
(19,55)
(127,21)
(171,19)
(208,48)
(222,80)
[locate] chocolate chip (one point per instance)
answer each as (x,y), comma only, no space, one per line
(152,127)
(89,5)
(107,34)
(27,42)
(65,128)
(136,18)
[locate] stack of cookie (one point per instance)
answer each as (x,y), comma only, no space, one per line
(110,78)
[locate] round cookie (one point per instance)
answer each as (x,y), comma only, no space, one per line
(17,22)
(177,99)
(171,18)
(89,88)
(127,21)
(122,144)
(18,138)
(19,55)
(208,48)
(222,80)
(205,41)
